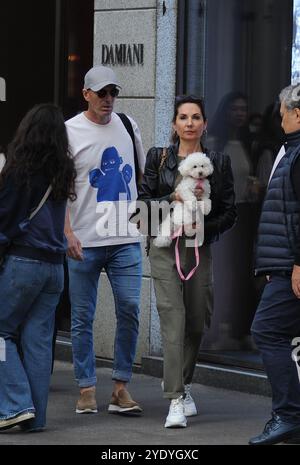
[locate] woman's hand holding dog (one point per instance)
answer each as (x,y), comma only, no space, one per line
(175,196)
(198,193)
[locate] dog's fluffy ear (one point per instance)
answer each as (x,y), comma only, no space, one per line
(184,167)
(210,168)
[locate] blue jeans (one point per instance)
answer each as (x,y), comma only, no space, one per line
(276,324)
(123,265)
(30,290)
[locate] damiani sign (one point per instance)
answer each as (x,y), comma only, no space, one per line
(2,90)
(123,54)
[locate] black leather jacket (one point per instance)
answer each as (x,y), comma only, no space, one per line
(158,184)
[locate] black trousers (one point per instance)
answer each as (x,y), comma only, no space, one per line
(276,325)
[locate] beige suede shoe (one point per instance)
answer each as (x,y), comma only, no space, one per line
(87,402)
(123,403)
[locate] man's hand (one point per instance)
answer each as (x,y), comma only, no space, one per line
(296,281)
(74,247)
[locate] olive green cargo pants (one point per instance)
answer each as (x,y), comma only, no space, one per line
(184,308)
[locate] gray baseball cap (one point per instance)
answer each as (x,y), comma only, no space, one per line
(100,76)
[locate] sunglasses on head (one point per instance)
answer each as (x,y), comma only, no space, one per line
(114,92)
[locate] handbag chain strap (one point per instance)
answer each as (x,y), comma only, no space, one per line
(164,156)
(47,193)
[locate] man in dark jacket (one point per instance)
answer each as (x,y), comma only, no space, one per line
(276,325)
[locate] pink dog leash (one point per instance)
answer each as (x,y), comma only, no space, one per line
(176,236)
(199,184)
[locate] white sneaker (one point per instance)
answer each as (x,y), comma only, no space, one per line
(190,408)
(176,417)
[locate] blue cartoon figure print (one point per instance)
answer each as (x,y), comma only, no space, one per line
(112,182)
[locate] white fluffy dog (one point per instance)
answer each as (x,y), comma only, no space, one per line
(195,169)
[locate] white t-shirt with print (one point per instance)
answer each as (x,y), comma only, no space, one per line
(106,181)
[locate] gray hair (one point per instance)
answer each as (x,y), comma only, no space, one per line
(290,96)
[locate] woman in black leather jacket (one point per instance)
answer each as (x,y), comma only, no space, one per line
(185,308)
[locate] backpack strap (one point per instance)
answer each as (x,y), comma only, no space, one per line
(128,126)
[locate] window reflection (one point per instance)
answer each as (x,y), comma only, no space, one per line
(233,255)
(230,133)
(252,143)
(267,144)
(252,152)
(296,44)
(238,73)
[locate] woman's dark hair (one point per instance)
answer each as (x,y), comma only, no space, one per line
(220,127)
(40,146)
(182,99)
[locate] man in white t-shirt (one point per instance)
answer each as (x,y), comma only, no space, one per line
(108,157)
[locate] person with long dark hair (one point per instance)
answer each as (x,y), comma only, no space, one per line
(35,184)
(185,307)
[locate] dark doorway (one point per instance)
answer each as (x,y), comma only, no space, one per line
(74,57)
(46,48)
(27,34)
(76,36)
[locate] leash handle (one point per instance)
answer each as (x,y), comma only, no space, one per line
(176,236)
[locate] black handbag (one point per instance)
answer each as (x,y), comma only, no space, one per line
(5,247)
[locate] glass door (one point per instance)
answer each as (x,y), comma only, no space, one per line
(238,54)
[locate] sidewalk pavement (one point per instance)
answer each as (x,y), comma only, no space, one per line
(225,417)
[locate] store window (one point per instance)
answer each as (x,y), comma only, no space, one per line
(238,55)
